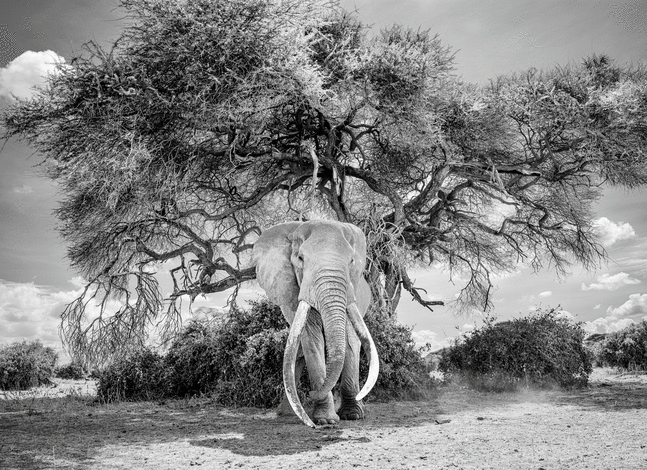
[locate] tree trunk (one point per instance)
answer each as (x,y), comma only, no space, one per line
(392,288)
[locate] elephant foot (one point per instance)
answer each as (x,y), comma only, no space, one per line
(326,421)
(351,410)
(324,411)
(321,418)
(322,414)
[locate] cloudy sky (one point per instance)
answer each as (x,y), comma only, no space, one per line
(489,38)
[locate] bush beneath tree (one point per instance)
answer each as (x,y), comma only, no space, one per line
(239,362)
(541,350)
(403,372)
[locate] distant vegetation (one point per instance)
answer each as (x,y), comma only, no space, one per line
(72,371)
(625,349)
(25,365)
(543,349)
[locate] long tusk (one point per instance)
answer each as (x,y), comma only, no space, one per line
(367,341)
(290,359)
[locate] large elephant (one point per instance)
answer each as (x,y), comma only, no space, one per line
(313,271)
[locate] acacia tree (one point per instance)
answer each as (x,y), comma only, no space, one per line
(209,120)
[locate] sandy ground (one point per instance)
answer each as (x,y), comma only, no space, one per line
(601,427)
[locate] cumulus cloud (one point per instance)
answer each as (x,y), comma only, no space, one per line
(29,312)
(78,282)
(607,324)
(611,232)
(26,71)
(32,312)
(545,294)
(636,305)
(611,282)
(564,314)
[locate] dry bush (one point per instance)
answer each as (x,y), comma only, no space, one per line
(627,348)
(403,372)
(140,376)
(73,371)
(541,350)
(25,365)
(239,362)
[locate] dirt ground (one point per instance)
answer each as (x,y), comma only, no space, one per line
(602,427)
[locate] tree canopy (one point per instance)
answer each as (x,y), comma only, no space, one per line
(210,120)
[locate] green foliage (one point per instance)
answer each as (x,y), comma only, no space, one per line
(541,350)
(627,348)
(74,371)
(238,362)
(139,376)
(25,365)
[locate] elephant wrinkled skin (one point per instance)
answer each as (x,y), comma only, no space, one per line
(313,271)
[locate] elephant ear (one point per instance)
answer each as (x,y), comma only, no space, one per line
(274,271)
(357,240)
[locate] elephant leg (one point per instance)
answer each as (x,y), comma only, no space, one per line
(350,408)
(314,351)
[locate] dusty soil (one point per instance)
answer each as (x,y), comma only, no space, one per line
(602,427)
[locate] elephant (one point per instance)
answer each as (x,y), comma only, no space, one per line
(313,271)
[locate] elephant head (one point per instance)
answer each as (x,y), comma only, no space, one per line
(317,264)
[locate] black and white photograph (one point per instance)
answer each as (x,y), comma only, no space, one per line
(323,234)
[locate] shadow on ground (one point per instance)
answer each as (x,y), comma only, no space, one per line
(608,396)
(73,430)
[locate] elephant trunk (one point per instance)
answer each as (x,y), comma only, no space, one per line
(330,297)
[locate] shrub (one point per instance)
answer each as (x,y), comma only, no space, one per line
(193,360)
(627,348)
(594,344)
(72,371)
(403,372)
(139,376)
(25,365)
(542,350)
(239,362)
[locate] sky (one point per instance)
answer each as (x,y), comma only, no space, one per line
(489,38)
